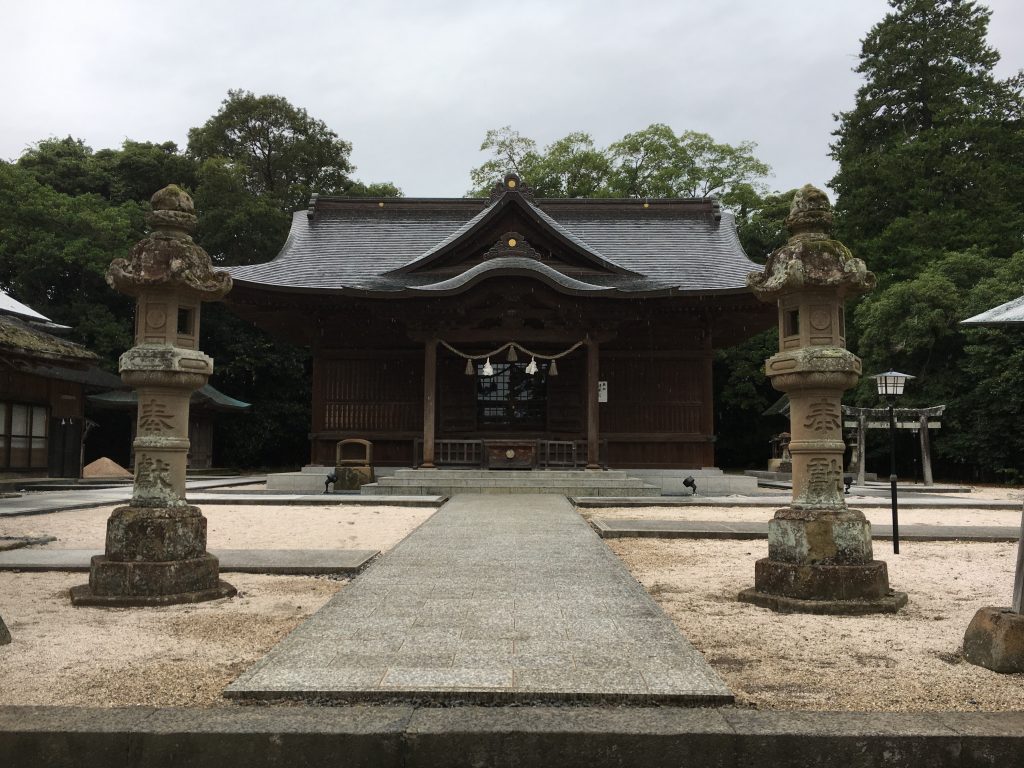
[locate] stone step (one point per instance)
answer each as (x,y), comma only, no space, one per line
(567,474)
(466,482)
(378,489)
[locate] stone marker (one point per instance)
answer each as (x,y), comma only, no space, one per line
(5,634)
(995,636)
(156,546)
(819,551)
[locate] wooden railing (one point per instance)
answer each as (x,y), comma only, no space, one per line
(550,453)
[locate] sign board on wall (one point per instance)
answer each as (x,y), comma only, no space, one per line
(602,391)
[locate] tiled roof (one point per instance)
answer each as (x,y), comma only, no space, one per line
(1010,312)
(20,337)
(386,245)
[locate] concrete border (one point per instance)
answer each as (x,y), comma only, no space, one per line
(294,562)
(625,528)
(568,737)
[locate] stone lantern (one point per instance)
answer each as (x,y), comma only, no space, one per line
(819,551)
(156,546)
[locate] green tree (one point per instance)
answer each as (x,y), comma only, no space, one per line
(931,161)
(283,153)
(54,252)
(259,159)
(236,226)
(140,168)
(931,157)
(914,326)
(654,162)
(67,166)
(511,152)
(761,224)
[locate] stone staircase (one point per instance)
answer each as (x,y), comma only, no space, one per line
(448,482)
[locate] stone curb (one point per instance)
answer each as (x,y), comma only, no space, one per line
(618,528)
(775,502)
(295,562)
(394,735)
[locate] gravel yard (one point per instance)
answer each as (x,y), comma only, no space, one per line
(908,662)
(185,655)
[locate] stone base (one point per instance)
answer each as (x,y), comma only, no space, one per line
(142,582)
(352,478)
(865,581)
(995,640)
(891,603)
(156,534)
(5,635)
(84,596)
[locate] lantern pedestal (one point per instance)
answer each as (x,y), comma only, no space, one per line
(154,556)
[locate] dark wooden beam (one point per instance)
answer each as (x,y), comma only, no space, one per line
(593,368)
(429,401)
(503,335)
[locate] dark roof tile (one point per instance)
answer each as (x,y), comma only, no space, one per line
(351,245)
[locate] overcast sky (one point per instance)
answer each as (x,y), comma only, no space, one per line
(415,85)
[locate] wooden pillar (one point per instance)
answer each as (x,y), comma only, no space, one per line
(708,412)
(862,436)
(926,452)
(429,401)
(593,367)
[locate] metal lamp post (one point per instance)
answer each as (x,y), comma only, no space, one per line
(890,386)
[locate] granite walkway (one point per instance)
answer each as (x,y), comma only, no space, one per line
(494,599)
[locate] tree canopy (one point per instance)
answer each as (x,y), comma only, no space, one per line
(931,157)
(66,212)
(931,168)
(280,151)
(653,162)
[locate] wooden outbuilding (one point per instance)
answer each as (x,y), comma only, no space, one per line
(43,383)
(510,332)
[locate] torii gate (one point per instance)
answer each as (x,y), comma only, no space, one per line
(863,419)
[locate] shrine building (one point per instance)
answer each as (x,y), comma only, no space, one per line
(510,332)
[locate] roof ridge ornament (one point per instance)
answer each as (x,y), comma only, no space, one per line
(511,184)
(512,244)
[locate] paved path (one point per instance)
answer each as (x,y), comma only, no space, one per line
(278,561)
(494,599)
(609,528)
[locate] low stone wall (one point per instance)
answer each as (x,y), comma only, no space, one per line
(711,481)
(522,736)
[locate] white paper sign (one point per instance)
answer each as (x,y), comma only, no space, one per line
(602,391)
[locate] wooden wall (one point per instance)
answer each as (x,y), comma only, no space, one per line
(658,415)
(376,396)
(65,409)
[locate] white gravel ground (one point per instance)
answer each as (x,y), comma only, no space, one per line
(185,655)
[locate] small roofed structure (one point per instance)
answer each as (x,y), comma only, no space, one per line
(204,403)
(43,382)
(455,331)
